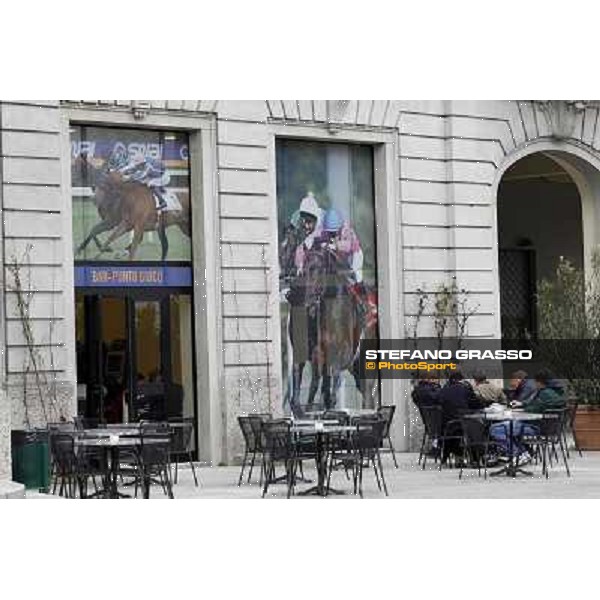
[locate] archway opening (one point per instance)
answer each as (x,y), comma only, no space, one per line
(539,220)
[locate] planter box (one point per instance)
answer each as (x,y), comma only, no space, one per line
(31,459)
(587,428)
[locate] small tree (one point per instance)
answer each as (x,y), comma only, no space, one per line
(33,361)
(569,309)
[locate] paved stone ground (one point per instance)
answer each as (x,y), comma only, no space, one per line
(408,481)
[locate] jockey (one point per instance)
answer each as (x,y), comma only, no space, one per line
(149,171)
(310,221)
(340,237)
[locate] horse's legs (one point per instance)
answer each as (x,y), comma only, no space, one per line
(337,381)
(121,229)
(138,234)
(314,384)
(297,381)
(326,387)
(96,230)
(162,236)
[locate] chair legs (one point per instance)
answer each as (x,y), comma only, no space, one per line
(564,455)
(242,469)
(393,451)
(421,453)
(193,468)
(381,473)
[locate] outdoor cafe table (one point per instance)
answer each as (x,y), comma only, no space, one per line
(511,468)
(111,444)
(322,431)
(103,432)
(351,412)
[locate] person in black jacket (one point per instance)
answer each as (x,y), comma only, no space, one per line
(456,398)
(427,390)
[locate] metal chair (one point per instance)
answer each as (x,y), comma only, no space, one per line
(256,422)
(477,444)
(364,452)
(570,428)
(182,437)
(387,412)
(278,448)
(64,461)
(154,458)
(549,434)
(251,445)
(432,432)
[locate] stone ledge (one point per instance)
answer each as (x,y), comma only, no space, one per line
(9,490)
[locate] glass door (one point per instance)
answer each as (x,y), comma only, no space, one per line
(151,373)
(102,357)
(135,357)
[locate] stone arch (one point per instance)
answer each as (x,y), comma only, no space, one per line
(583,166)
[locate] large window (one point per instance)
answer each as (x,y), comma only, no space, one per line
(328,272)
(133,273)
(131,197)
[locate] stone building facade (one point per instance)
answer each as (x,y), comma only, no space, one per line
(437,169)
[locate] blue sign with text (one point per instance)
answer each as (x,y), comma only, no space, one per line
(134,276)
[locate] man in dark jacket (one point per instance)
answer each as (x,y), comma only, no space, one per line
(546,398)
(456,399)
(522,387)
(426,393)
(427,390)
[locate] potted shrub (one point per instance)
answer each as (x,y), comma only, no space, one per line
(30,451)
(569,340)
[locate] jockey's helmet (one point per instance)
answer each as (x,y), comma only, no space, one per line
(118,158)
(333,220)
(309,206)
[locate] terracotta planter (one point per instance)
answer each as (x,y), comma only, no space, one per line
(587,427)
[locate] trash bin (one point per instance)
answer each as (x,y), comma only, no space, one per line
(31,459)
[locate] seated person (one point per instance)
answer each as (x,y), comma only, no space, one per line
(456,398)
(427,390)
(545,398)
(486,391)
(522,386)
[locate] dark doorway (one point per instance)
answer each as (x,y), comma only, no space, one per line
(134,356)
(539,221)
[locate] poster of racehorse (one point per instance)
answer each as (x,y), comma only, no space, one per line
(130,194)
(328,273)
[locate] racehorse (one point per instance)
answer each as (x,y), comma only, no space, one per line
(324,325)
(125,206)
(292,237)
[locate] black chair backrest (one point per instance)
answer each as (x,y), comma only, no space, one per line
(248,433)
(475,432)
(369,433)
(182,433)
(89,422)
(263,416)
(276,438)
(155,444)
(336,415)
(551,426)
(256,423)
(432,420)
(387,412)
(147,427)
(572,407)
(62,426)
(62,448)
